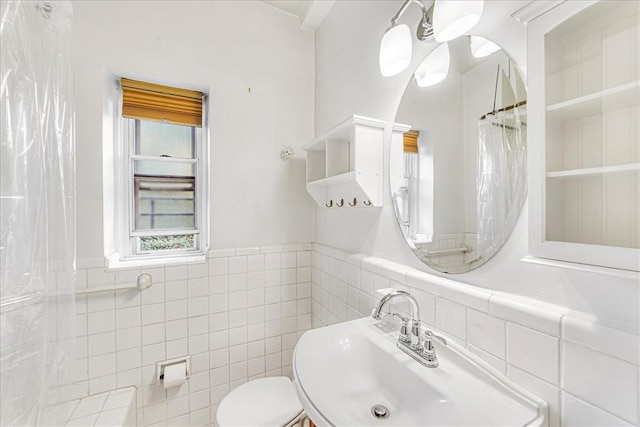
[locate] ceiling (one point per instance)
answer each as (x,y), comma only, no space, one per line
(310,13)
(294,7)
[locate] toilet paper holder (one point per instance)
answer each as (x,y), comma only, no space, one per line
(161,366)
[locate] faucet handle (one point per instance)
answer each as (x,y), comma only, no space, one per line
(429,351)
(404,337)
(430,336)
(415,334)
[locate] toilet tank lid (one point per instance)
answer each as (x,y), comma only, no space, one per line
(265,402)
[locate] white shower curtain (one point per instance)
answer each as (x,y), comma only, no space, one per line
(37,224)
(502,177)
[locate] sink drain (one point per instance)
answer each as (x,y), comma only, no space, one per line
(379,411)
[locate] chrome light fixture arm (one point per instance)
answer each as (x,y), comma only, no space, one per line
(425,27)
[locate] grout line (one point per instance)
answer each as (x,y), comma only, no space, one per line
(561,351)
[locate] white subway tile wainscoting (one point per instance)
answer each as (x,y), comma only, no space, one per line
(588,373)
(238,316)
(115,408)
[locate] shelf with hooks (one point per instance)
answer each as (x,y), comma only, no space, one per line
(345,164)
(354,203)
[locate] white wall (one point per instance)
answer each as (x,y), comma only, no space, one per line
(257,66)
(239,315)
(348,81)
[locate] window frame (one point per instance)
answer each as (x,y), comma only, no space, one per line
(125,250)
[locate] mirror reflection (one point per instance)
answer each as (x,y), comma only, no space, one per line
(458,173)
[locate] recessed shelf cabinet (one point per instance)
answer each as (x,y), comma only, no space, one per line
(345,165)
(584,133)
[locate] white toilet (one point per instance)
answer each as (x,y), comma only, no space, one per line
(266,402)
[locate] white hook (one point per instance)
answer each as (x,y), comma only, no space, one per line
(286,153)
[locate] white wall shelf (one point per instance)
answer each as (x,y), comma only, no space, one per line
(584,99)
(332,180)
(345,164)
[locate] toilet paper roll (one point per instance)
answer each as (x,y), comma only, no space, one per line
(175,375)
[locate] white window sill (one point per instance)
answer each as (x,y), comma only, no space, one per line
(114,262)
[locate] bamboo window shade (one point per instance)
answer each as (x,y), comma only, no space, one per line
(410,140)
(149,101)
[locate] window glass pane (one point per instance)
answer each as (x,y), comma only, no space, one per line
(163,243)
(160,168)
(165,139)
(164,202)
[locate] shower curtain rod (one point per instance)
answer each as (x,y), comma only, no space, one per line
(495,95)
(507,108)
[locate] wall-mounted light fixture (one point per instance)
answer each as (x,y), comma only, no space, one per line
(443,20)
(395,47)
(395,50)
(481,47)
(453,18)
(434,68)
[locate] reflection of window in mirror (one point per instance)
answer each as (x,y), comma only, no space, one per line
(405,196)
(414,199)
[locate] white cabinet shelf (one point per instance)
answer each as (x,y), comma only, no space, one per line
(584,133)
(615,98)
(345,165)
(601,171)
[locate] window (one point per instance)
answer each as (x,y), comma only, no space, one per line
(413,200)
(160,174)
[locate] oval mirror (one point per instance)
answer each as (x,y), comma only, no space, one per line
(458,154)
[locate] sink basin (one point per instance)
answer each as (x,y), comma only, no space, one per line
(342,372)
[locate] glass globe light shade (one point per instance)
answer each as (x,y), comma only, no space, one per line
(452,18)
(434,68)
(395,50)
(481,47)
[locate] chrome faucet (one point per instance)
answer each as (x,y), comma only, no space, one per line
(413,340)
(412,343)
(388,297)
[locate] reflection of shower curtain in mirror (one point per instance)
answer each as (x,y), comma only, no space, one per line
(501,179)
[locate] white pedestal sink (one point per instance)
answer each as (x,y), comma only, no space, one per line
(352,374)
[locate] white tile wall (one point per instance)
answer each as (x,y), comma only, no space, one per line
(576,412)
(113,408)
(601,380)
(238,315)
(533,351)
(588,373)
(486,332)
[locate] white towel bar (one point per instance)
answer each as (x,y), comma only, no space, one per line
(463,248)
(144,281)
